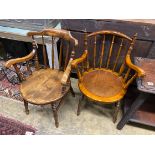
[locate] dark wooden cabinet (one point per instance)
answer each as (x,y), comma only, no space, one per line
(145,43)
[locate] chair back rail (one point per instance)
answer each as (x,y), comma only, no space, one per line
(65,39)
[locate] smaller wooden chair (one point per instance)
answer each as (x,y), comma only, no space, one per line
(47,85)
(105,69)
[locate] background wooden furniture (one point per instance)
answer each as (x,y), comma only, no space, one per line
(145,41)
(146,86)
(47,85)
(106,71)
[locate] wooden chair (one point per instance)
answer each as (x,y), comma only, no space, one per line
(105,69)
(47,85)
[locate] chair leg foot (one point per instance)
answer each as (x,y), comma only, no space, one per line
(55,115)
(79,105)
(116,111)
(72,91)
(26,107)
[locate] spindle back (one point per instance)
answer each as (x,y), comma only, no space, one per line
(108,49)
(67,44)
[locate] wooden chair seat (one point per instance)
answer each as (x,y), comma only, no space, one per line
(43,87)
(102,85)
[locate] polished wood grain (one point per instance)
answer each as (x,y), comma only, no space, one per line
(43,86)
(66,74)
(44,52)
(94,62)
(77,61)
(102,53)
(55,33)
(94,85)
(60,54)
(47,85)
(110,51)
(106,32)
(118,54)
(52,53)
(107,83)
(134,67)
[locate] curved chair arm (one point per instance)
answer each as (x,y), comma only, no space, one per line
(134,67)
(11,62)
(67,71)
(79,60)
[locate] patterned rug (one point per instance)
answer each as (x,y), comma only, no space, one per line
(12,127)
(9,87)
(9,83)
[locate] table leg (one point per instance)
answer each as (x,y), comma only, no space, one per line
(135,105)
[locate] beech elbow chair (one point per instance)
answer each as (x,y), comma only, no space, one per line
(47,85)
(105,69)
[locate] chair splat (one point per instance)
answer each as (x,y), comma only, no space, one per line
(67,54)
(28,67)
(44,52)
(118,54)
(127,74)
(37,66)
(86,48)
(60,54)
(102,52)
(94,62)
(110,51)
(52,52)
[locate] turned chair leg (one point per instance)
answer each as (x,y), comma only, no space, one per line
(55,114)
(72,91)
(116,111)
(26,107)
(79,105)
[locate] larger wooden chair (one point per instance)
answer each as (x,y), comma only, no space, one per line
(105,69)
(47,85)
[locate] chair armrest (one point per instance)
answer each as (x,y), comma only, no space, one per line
(134,67)
(67,72)
(11,62)
(79,60)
